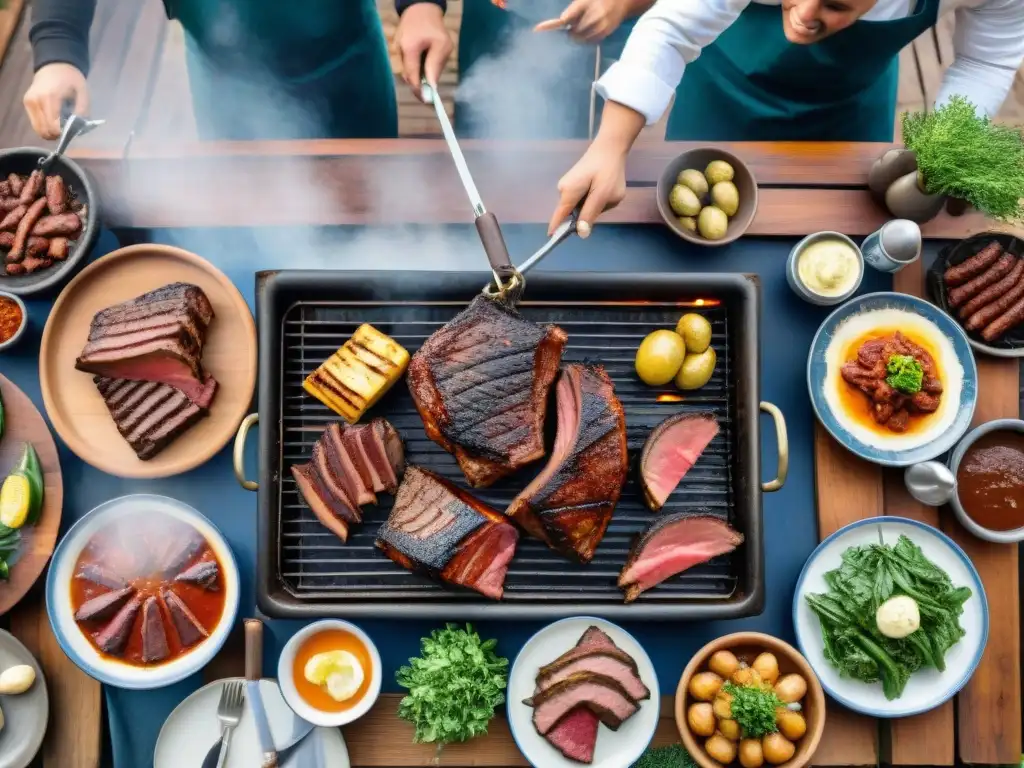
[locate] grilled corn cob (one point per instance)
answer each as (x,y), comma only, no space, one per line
(355,377)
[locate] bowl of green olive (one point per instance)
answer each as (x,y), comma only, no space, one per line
(749,700)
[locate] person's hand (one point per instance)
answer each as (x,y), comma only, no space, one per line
(589,21)
(598,180)
(52,85)
(424,43)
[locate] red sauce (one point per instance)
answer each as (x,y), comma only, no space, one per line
(10,318)
(130,549)
(321,642)
(990,481)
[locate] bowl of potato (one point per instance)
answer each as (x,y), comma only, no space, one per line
(749,700)
(707,196)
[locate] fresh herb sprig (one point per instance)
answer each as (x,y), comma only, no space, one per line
(753,708)
(454,686)
(671,756)
(905,374)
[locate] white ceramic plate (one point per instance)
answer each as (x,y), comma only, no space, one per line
(192,728)
(615,749)
(26,714)
(926,689)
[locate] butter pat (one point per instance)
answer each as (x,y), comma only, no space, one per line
(898,617)
(338,672)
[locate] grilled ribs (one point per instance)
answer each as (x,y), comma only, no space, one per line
(444,531)
(481,383)
(569,504)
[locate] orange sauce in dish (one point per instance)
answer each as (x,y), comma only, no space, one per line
(321,642)
(858,406)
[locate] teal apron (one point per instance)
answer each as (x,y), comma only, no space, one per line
(297,69)
(753,84)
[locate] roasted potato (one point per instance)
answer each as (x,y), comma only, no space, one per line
(751,754)
(730,729)
(791,688)
(767,666)
(777,748)
(701,719)
(723,705)
(705,685)
(791,724)
(721,749)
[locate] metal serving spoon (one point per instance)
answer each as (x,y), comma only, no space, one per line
(74,126)
(930,482)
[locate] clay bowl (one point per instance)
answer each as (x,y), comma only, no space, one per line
(698,159)
(747,645)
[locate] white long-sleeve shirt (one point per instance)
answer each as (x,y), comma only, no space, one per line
(988,43)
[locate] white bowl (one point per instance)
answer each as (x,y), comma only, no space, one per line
(999,537)
(285,679)
(801,289)
(61,613)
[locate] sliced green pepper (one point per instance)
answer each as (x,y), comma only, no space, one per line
(5,571)
(28,467)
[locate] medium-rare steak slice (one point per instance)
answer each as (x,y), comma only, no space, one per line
(154,638)
(185,295)
(610,662)
(190,630)
(481,384)
(203,574)
(569,504)
(185,331)
(112,638)
(102,606)
(333,513)
(603,696)
(164,361)
(672,448)
(671,545)
(442,530)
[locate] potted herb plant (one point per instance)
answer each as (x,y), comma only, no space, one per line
(952,152)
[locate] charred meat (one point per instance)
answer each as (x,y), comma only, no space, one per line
(672,448)
(569,504)
(30,207)
(447,533)
(481,384)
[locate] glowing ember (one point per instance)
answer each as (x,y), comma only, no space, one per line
(705,303)
(668,398)
(499,3)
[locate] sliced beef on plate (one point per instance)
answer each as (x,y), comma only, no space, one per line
(332,512)
(604,696)
(190,630)
(202,574)
(481,383)
(101,576)
(154,638)
(172,297)
(570,503)
(102,606)
(112,638)
(610,662)
(440,529)
(671,545)
(671,450)
(164,361)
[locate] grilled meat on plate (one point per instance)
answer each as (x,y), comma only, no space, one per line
(604,696)
(670,546)
(481,384)
(570,503)
(672,448)
(446,532)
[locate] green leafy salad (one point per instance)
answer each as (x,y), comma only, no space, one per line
(888,612)
(671,756)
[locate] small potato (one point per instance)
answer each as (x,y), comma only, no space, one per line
(746,676)
(751,754)
(723,706)
(721,749)
(777,748)
(701,719)
(704,685)
(15,680)
(730,729)
(722,663)
(767,666)
(791,724)
(791,688)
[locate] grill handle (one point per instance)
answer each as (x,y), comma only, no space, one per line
(781,437)
(238,457)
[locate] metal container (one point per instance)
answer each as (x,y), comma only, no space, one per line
(304,571)
(804,291)
(896,245)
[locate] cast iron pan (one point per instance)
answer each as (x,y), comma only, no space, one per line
(1012,343)
(24,160)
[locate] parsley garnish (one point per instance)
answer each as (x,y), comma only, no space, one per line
(753,707)
(905,374)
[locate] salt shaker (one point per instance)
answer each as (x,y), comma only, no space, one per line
(894,246)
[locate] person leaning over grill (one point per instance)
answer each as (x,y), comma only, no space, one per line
(771,70)
(258,69)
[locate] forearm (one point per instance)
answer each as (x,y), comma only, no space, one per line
(60,32)
(402,5)
(620,127)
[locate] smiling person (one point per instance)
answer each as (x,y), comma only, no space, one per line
(811,70)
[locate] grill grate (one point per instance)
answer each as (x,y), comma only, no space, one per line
(314,565)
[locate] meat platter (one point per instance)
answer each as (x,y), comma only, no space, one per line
(306,571)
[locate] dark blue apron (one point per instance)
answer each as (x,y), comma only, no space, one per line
(753,84)
(279,69)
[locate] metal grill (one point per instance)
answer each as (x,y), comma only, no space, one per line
(314,565)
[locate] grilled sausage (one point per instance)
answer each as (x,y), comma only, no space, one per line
(8,203)
(6,239)
(35,263)
(25,227)
(14,269)
(33,187)
(37,246)
(10,221)
(5,188)
(973,265)
(990,312)
(16,183)
(58,248)
(1012,317)
(997,271)
(994,291)
(64,225)
(56,195)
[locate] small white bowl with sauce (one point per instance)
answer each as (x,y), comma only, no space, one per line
(825,268)
(987,468)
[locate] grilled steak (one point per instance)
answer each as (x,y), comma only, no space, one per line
(163,360)
(170,297)
(601,695)
(150,416)
(102,606)
(101,576)
(190,630)
(203,574)
(672,448)
(670,546)
(444,531)
(481,383)
(569,504)
(112,638)
(610,662)
(154,638)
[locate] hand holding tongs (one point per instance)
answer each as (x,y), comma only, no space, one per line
(73,127)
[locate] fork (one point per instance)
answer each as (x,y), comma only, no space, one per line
(229,712)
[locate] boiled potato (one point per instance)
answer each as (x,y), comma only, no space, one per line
(725,195)
(791,688)
(696,370)
(705,685)
(751,755)
(659,357)
(723,706)
(791,724)
(767,667)
(777,748)
(694,180)
(746,676)
(712,223)
(688,223)
(696,332)
(730,729)
(721,749)
(15,680)
(718,171)
(701,719)
(683,201)
(722,663)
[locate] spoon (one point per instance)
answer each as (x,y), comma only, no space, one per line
(74,126)
(930,482)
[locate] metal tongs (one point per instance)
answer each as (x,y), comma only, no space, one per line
(509,281)
(73,127)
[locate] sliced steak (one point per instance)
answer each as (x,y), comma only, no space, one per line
(601,695)
(101,576)
(332,513)
(175,295)
(102,606)
(184,330)
(203,574)
(154,637)
(164,361)
(190,630)
(575,735)
(672,448)
(112,638)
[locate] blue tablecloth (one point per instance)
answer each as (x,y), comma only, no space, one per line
(787,326)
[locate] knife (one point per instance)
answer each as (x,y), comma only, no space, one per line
(290,748)
(253,672)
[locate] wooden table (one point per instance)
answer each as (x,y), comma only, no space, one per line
(803,188)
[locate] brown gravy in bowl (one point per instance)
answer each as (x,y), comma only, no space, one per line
(990,481)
